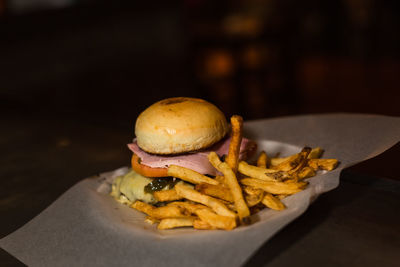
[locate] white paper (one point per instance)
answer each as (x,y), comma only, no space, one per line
(86,227)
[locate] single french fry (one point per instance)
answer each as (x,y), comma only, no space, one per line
(315,153)
(167,212)
(262,160)
(170,223)
(306,172)
(231,180)
(323,164)
(288,164)
(275,187)
(215,220)
(252,195)
(158,213)
(189,175)
(302,161)
(272,202)
(229,205)
(217,191)
(166,195)
(202,225)
(276,161)
(295,162)
(236,140)
(190,207)
(216,205)
(221,180)
(261,173)
(143,207)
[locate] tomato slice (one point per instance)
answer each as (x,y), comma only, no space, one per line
(146,170)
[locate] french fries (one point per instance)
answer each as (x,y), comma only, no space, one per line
(232,182)
(216,203)
(272,202)
(253,195)
(314,154)
(295,162)
(262,160)
(189,175)
(275,187)
(323,164)
(166,195)
(159,213)
(215,220)
(170,223)
(217,191)
(261,173)
(301,161)
(236,140)
(202,225)
(188,206)
(306,172)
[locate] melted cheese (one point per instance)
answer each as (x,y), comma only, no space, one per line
(130,187)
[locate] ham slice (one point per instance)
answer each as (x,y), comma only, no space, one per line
(195,161)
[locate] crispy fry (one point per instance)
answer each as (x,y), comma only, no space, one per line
(214,204)
(302,161)
(288,164)
(229,205)
(262,160)
(166,195)
(323,164)
(306,172)
(143,207)
(189,175)
(236,140)
(253,195)
(272,202)
(261,173)
(158,213)
(231,180)
(215,220)
(275,187)
(190,207)
(295,162)
(221,180)
(315,153)
(167,212)
(276,161)
(217,191)
(170,223)
(202,225)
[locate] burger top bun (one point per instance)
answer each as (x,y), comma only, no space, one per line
(179,125)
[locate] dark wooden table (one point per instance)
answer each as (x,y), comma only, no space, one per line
(356,224)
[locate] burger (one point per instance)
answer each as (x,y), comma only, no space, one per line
(178,131)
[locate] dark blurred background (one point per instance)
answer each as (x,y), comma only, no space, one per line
(105,61)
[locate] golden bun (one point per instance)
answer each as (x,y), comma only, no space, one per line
(178,125)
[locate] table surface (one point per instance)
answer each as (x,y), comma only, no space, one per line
(356,224)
